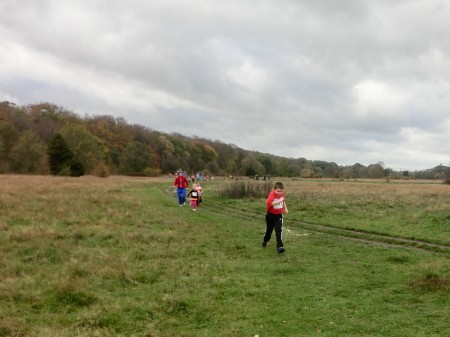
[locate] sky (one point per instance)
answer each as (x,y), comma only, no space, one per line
(344,81)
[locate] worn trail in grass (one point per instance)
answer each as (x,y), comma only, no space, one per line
(343,231)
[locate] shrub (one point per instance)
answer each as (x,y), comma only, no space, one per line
(101,170)
(152,172)
(76,168)
(240,189)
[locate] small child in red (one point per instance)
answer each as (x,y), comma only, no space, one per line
(199,190)
(194,197)
(275,206)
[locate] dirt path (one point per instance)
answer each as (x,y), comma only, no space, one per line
(349,234)
(356,235)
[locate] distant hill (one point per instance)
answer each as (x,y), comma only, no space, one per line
(104,145)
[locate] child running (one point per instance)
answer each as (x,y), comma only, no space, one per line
(194,197)
(275,206)
(199,190)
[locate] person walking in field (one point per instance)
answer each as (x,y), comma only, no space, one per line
(193,193)
(181,184)
(199,190)
(275,207)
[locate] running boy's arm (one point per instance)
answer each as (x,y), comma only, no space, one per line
(274,202)
(269,201)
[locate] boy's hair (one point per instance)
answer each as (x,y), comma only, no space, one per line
(278,185)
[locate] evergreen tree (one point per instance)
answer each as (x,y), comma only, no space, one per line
(59,155)
(76,167)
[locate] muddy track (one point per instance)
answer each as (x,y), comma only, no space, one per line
(343,233)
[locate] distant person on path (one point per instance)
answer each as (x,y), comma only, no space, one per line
(199,190)
(275,207)
(181,183)
(194,197)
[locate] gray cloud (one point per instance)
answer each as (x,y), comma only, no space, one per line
(344,81)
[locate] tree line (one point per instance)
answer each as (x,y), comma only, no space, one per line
(48,139)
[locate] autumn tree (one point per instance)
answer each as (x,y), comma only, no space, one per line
(8,136)
(114,132)
(208,154)
(28,155)
(135,159)
(285,168)
(306,173)
(165,149)
(46,119)
(201,155)
(181,155)
(88,148)
(251,166)
(267,162)
(225,155)
(375,170)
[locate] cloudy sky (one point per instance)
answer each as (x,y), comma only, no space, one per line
(348,81)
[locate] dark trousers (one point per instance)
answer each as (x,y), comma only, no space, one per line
(274,222)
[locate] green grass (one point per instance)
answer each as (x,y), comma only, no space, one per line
(121,258)
(413,210)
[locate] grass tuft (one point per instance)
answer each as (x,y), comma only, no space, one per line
(431,283)
(72,298)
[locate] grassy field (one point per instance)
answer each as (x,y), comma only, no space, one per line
(118,257)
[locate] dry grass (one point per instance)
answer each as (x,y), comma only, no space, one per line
(10,183)
(46,197)
(429,196)
(358,188)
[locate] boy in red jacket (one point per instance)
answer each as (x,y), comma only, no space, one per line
(275,206)
(181,183)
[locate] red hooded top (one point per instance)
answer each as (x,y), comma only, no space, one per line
(277,208)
